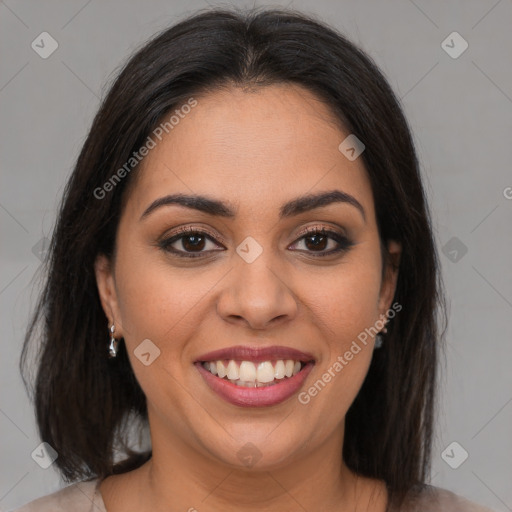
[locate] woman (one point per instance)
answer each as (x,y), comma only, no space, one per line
(244,263)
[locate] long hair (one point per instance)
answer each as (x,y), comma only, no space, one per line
(83,399)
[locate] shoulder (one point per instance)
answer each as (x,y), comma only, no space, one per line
(433,499)
(78,497)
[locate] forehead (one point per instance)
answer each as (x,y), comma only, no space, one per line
(251,148)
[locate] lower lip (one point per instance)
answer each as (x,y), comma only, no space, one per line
(255,397)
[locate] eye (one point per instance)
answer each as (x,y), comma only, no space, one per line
(191,240)
(317,240)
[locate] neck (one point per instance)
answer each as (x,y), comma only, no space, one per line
(180,477)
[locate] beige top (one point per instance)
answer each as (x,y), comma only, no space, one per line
(86,497)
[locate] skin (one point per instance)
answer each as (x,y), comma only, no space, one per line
(256,150)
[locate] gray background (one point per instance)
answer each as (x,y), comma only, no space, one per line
(460,110)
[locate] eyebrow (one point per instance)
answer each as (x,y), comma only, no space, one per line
(291,208)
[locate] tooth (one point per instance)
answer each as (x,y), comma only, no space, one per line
(296,368)
(279,370)
(289,367)
(221,369)
(212,366)
(265,372)
(232,370)
(247,371)
(245,384)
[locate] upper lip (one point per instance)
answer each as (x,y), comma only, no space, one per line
(256,354)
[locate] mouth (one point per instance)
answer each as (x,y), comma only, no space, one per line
(257,377)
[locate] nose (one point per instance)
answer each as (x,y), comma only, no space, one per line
(257,296)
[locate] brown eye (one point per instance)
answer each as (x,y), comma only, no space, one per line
(193,242)
(317,241)
(188,243)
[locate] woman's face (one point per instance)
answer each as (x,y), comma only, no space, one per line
(257,280)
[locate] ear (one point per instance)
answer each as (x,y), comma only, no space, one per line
(389,275)
(107,291)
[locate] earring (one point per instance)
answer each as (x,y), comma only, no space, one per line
(112,349)
(379,339)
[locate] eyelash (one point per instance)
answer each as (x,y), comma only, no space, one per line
(343,241)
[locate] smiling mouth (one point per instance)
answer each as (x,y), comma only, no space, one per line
(255,376)
(250,374)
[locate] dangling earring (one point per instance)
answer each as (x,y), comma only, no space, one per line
(112,349)
(379,339)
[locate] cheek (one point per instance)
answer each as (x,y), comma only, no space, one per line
(344,311)
(346,301)
(160,304)
(152,299)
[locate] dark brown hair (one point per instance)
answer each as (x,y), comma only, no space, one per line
(83,399)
